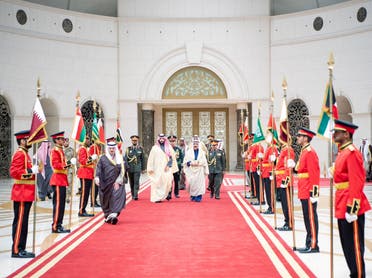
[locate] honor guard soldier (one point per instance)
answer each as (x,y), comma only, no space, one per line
(284,166)
(23,194)
(271,153)
(256,154)
(86,175)
(308,173)
(135,164)
(216,163)
(59,181)
(351,203)
(179,157)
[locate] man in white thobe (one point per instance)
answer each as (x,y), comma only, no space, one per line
(196,170)
(161,165)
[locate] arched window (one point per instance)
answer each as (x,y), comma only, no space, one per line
(298,116)
(194,83)
(87,111)
(5,138)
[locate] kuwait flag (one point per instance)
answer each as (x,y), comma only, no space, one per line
(324,127)
(284,136)
(37,130)
(271,128)
(258,136)
(98,133)
(78,131)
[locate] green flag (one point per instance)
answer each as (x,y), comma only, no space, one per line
(258,136)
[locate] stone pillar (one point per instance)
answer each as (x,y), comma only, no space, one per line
(147,128)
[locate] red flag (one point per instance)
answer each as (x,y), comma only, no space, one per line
(284,136)
(243,130)
(78,130)
(37,130)
(271,128)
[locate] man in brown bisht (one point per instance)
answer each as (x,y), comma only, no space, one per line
(109,178)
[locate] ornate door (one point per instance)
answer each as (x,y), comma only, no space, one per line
(5,138)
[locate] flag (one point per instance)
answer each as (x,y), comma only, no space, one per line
(271,128)
(119,136)
(98,134)
(284,136)
(243,130)
(37,130)
(324,126)
(78,130)
(258,136)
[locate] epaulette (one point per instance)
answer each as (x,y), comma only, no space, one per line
(351,148)
(308,148)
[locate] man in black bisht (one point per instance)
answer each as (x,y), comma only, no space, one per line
(109,178)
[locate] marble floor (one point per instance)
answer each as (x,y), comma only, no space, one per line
(319,263)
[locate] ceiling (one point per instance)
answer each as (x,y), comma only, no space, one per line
(109,7)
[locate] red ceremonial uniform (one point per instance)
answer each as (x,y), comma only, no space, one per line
(267,164)
(24,183)
(58,163)
(308,172)
(349,176)
(86,170)
(281,170)
(94,149)
(253,151)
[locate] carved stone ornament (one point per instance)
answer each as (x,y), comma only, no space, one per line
(67,25)
(362,14)
(21,17)
(318,23)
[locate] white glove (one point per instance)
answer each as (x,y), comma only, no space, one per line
(35,169)
(350,217)
(283,185)
(271,177)
(331,171)
(96,180)
(291,163)
(73,161)
(272,157)
(249,157)
(259,172)
(314,200)
(260,155)
(94,156)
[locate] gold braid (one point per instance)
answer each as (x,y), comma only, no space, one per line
(132,158)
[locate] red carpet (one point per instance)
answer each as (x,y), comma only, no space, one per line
(179,238)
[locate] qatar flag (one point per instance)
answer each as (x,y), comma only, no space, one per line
(37,130)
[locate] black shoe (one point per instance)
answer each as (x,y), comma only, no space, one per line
(208,188)
(49,196)
(95,205)
(23,254)
(285,228)
(268,211)
(302,249)
(61,230)
(85,214)
(255,203)
(182,187)
(177,196)
(157,201)
(310,250)
(114,221)
(217,198)
(135,198)
(168,197)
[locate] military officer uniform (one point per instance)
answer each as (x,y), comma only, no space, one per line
(135,164)
(179,157)
(216,164)
(59,182)
(266,173)
(351,203)
(23,194)
(308,173)
(254,152)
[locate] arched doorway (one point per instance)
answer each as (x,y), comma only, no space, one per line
(5,138)
(298,116)
(344,109)
(51,114)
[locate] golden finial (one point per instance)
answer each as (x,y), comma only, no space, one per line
(77,96)
(94,105)
(38,87)
(331,61)
(284,84)
(272,96)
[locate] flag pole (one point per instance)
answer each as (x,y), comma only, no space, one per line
(248,177)
(260,164)
(331,63)
(242,145)
(77,98)
(93,191)
(38,89)
(290,185)
(272,182)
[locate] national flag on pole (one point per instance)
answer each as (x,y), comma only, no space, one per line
(243,130)
(37,131)
(98,134)
(258,136)
(271,129)
(324,126)
(284,136)
(119,136)
(78,130)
